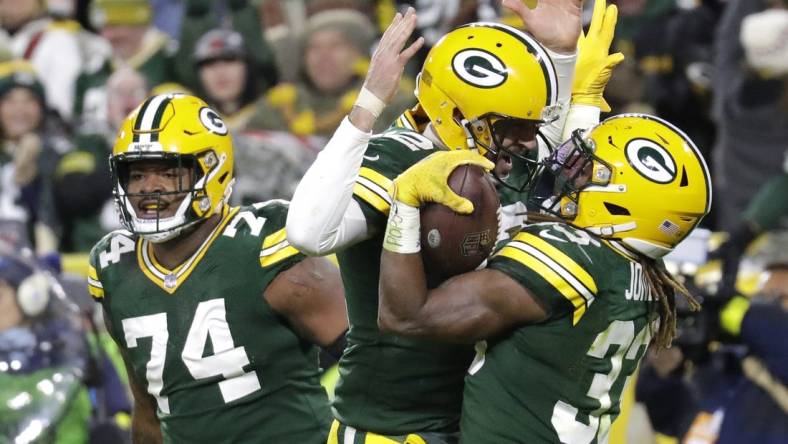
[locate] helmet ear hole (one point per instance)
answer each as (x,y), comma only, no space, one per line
(223,177)
(616,210)
(684,182)
(457,114)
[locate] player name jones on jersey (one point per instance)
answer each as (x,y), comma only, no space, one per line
(638,286)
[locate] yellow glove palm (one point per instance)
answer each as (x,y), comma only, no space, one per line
(594,63)
(427,180)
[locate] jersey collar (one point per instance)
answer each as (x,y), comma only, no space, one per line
(170,280)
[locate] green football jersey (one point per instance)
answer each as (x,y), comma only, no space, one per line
(561,380)
(389,384)
(221,364)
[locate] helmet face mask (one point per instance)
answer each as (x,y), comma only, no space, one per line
(633,178)
(486,83)
(566,172)
(158,226)
(514,140)
(187,144)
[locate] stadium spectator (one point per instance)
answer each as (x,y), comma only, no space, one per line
(336,44)
(753,407)
(51,46)
(767,211)
(43,358)
(32,141)
(750,103)
(134,42)
(227,76)
(239,15)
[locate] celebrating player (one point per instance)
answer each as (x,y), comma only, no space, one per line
(484,86)
(213,310)
(568,307)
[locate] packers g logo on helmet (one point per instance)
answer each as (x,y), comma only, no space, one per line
(211,120)
(651,160)
(479,68)
(184,130)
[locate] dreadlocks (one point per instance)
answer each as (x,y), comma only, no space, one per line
(664,287)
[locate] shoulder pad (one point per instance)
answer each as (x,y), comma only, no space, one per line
(111,247)
(257,220)
(402,138)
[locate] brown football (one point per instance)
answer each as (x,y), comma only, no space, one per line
(453,243)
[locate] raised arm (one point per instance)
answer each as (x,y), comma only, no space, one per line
(323,217)
(594,67)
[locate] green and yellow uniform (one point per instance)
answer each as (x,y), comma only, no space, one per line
(561,380)
(221,364)
(391,385)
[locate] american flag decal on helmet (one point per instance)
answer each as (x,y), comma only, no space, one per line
(669,228)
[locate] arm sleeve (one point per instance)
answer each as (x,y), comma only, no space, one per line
(580,116)
(565,69)
(323,216)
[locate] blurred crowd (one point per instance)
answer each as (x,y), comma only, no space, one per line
(283,74)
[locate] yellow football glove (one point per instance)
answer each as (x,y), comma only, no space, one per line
(594,63)
(427,180)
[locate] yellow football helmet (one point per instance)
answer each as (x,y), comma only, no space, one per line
(185,130)
(634,178)
(481,81)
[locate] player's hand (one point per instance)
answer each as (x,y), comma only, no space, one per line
(594,62)
(389,59)
(556,24)
(427,180)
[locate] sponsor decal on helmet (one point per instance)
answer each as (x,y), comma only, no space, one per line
(211,120)
(479,68)
(651,160)
(145,147)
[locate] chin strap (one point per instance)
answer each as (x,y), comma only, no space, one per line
(609,230)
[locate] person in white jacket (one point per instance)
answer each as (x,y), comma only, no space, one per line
(51,46)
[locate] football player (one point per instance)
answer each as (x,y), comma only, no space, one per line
(567,307)
(214,312)
(484,86)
